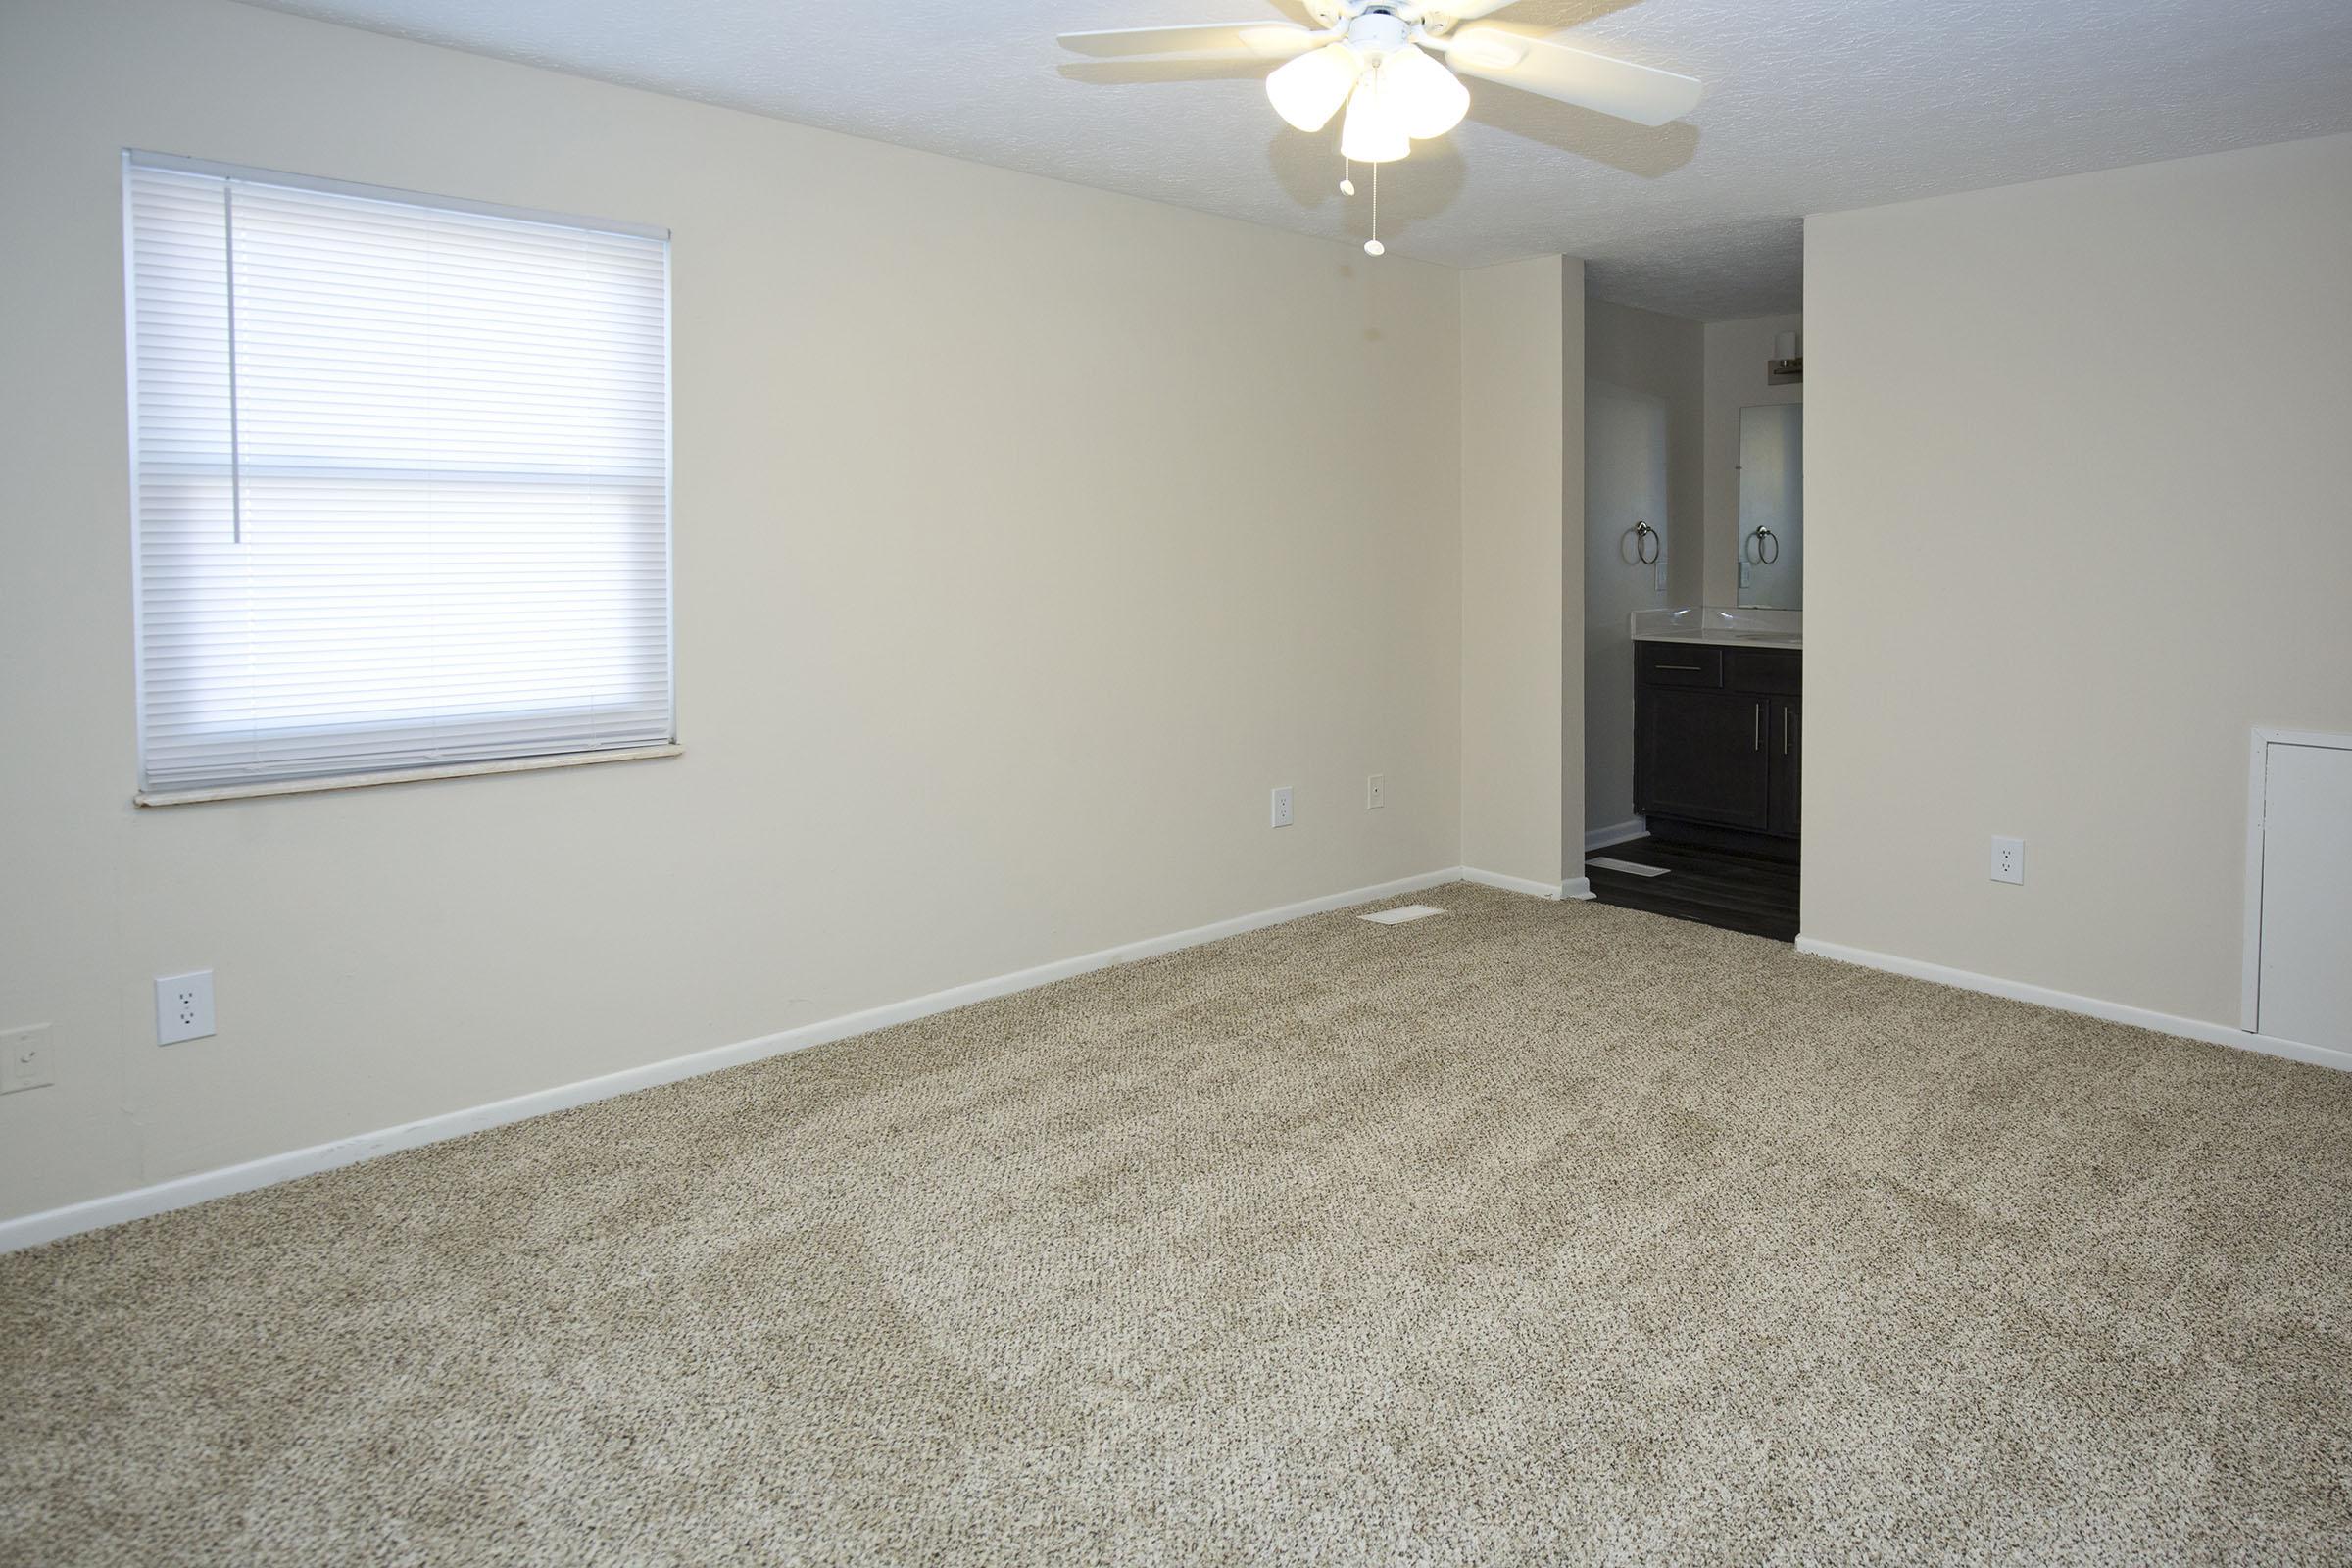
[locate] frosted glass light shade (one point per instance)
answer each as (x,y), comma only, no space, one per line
(1308,90)
(1374,134)
(1428,99)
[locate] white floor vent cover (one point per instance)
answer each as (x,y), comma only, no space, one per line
(1628,866)
(1398,916)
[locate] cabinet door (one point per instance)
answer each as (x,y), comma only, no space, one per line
(1786,740)
(1702,756)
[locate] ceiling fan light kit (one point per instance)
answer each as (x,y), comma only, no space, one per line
(1308,90)
(1374,131)
(1427,97)
(1375,57)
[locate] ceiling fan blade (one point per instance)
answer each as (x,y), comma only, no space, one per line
(1463,10)
(1642,94)
(1265,41)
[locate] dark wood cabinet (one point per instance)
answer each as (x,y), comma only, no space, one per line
(1703,756)
(1718,738)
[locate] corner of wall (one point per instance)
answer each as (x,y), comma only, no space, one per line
(1522,378)
(1572,568)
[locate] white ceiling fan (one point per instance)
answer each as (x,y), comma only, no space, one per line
(1382,58)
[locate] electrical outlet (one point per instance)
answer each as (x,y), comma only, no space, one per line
(1282,806)
(24,1059)
(183,1007)
(1376,790)
(2008,859)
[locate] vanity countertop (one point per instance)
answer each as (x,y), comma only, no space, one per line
(1721,627)
(1722,639)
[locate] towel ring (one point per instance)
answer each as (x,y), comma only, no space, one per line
(1645,543)
(1763,547)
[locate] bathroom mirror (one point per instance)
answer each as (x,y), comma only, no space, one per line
(1772,506)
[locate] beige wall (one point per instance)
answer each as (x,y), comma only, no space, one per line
(1661,356)
(2079,521)
(1735,353)
(1522,571)
(1026,537)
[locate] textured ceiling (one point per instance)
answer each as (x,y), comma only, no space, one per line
(1812,106)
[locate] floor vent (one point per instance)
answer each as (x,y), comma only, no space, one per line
(1627,866)
(1401,913)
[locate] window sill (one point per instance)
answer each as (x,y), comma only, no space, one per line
(405,775)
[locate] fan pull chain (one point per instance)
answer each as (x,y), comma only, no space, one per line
(1373,246)
(1346,175)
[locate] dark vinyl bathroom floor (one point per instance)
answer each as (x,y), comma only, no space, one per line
(1713,887)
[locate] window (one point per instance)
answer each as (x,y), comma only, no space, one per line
(401,480)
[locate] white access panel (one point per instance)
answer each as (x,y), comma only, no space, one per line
(2305,976)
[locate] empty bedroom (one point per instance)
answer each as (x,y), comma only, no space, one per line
(1139,781)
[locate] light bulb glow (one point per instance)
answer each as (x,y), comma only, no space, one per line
(1308,90)
(1428,99)
(1374,132)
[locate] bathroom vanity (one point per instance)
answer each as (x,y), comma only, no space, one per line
(1719,728)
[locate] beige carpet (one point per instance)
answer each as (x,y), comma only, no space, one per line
(1529,1234)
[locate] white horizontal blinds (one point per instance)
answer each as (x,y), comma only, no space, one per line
(402,482)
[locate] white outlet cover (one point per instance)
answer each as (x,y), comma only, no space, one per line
(2008,859)
(24,1061)
(1282,806)
(183,1007)
(1376,790)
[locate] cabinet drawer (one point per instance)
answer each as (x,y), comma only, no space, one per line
(1678,665)
(1764,669)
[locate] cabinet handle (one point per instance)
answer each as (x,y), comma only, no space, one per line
(1786,713)
(1759,743)
(1692,668)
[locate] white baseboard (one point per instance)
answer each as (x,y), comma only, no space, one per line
(2219,1034)
(1601,838)
(1574,888)
(1511,884)
(31,1230)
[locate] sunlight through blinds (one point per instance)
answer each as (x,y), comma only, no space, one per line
(401,480)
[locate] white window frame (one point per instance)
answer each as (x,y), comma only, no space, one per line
(517,763)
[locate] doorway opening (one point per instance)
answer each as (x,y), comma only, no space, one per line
(1693,617)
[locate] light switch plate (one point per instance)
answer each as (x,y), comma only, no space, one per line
(183,1007)
(24,1061)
